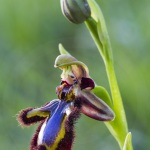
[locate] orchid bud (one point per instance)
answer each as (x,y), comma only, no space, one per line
(76,11)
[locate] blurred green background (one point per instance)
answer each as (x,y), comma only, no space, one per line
(30,31)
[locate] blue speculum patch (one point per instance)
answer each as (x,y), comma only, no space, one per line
(53,124)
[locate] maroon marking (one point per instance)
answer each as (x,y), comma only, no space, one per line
(33,144)
(87,82)
(23,120)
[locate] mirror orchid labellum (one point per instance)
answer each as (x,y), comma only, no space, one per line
(57,117)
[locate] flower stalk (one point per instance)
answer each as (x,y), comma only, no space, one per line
(97,27)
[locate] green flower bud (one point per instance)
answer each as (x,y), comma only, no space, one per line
(76,11)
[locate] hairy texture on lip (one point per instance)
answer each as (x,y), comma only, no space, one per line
(66,142)
(41,147)
(33,145)
(24,121)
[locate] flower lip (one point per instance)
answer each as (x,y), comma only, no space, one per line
(53,124)
(52,130)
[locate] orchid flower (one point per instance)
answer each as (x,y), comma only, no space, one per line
(75,76)
(56,130)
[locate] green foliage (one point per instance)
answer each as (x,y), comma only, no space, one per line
(127,143)
(30,32)
(118,127)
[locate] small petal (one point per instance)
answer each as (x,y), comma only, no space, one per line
(94,107)
(87,83)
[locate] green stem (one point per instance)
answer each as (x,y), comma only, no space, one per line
(98,30)
(91,24)
(119,125)
(117,101)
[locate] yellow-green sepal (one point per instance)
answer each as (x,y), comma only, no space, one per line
(62,50)
(65,59)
